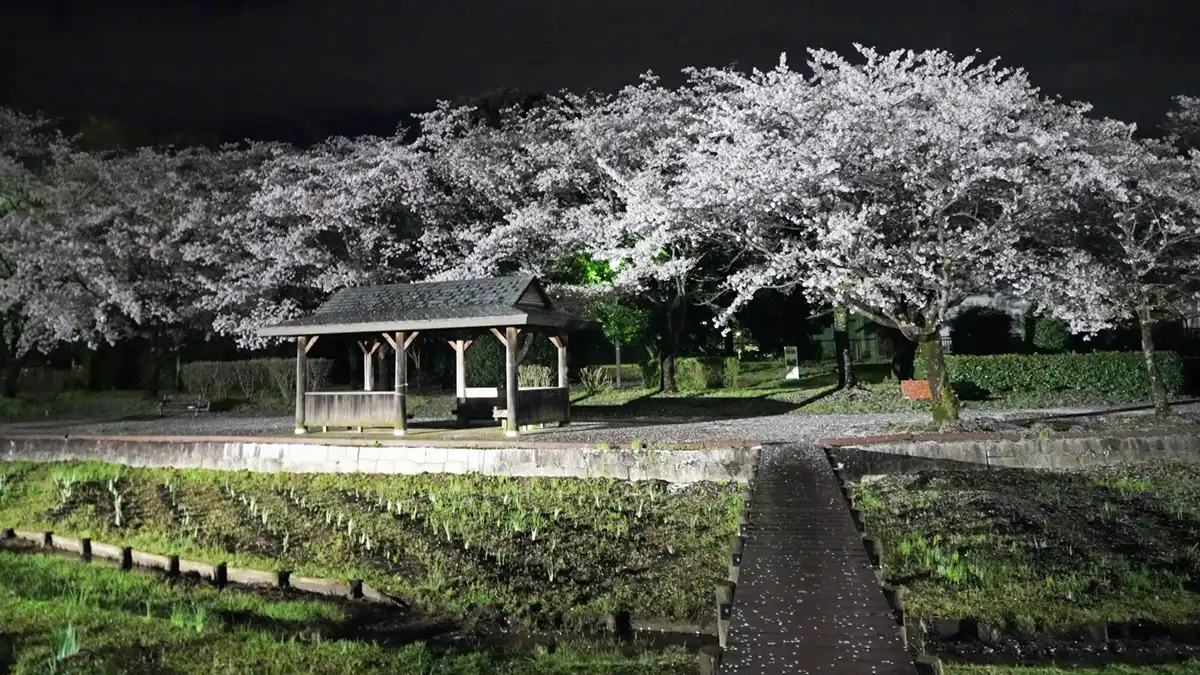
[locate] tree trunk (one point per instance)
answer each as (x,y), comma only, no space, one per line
(151,384)
(841,343)
(617,350)
(903,358)
(668,372)
(12,375)
(674,335)
(1158,390)
(945,403)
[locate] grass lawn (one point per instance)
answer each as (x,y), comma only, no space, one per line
(761,391)
(1187,668)
(540,552)
(64,616)
(1035,550)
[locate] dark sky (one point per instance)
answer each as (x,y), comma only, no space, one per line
(357,64)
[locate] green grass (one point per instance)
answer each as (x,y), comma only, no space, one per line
(1036,550)
(761,391)
(72,405)
(543,551)
(1187,668)
(64,616)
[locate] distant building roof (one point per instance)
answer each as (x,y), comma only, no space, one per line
(441,305)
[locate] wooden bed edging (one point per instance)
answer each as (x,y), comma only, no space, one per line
(221,575)
(925,665)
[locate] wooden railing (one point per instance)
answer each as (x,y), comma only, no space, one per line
(367,409)
(542,405)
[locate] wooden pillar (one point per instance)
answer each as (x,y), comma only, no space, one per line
(460,378)
(511,361)
(368,364)
(301,381)
(460,367)
(560,344)
(400,349)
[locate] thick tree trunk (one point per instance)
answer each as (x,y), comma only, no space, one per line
(668,372)
(154,375)
(903,358)
(674,337)
(1158,390)
(841,343)
(945,403)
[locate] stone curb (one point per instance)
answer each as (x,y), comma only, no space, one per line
(720,464)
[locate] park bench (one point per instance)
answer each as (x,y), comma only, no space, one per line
(481,403)
(168,406)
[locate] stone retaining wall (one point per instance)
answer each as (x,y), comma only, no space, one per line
(676,466)
(1062,453)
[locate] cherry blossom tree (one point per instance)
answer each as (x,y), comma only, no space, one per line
(1130,247)
(292,226)
(501,189)
(896,186)
(25,152)
(112,241)
(1183,121)
(640,216)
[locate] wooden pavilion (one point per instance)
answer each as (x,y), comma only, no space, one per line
(460,310)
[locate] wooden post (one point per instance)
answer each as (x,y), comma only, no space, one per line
(301,382)
(510,378)
(617,348)
(560,343)
(400,349)
(460,367)
(368,364)
(460,377)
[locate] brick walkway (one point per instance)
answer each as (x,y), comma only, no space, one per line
(808,601)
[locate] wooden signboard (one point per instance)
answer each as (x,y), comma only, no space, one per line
(916,389)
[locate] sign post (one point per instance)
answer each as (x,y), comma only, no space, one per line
(791,361)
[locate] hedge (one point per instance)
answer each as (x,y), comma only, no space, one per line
(251,378)
(707,372)
(1120,374)
(630,372)
(485,359)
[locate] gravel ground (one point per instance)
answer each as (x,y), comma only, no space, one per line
(789,428)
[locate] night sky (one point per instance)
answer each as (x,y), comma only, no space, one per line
(353,66)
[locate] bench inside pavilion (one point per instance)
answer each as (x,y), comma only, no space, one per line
(456,311)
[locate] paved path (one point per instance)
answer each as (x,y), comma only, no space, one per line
(808,601)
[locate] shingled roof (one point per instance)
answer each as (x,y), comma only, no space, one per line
(441,305)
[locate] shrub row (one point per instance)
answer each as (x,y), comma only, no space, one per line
(707,372)
(630,372)
(1121,374)
(218,380)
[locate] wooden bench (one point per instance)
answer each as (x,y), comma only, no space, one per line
(167,406)
(480,403)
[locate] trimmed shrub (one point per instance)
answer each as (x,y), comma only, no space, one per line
(630,372)
(698,373)
(251,378)
(732,372)
(1050,335)
(1119,374)
(651,371)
